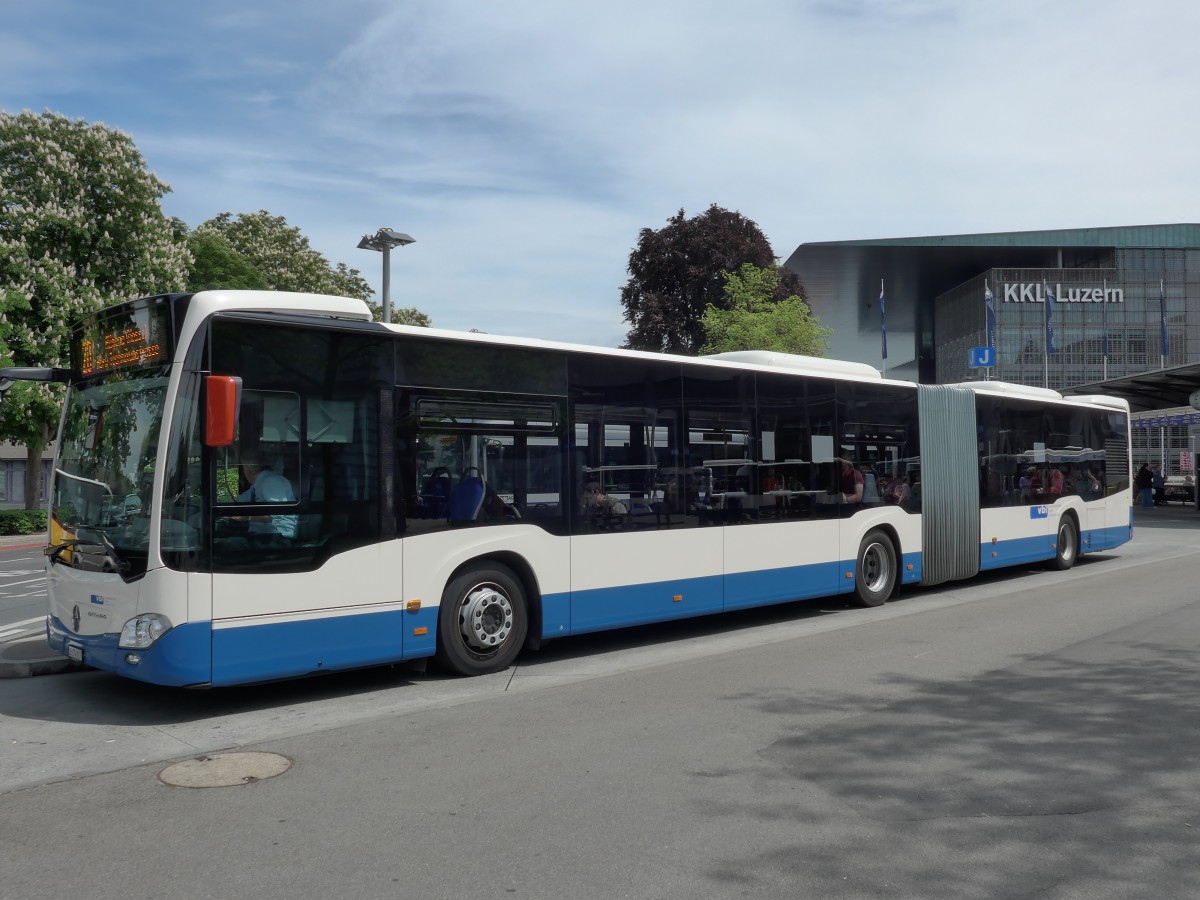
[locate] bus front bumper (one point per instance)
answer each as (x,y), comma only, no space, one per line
(182,657)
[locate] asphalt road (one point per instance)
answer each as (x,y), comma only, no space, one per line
(1026,734)
(22,588)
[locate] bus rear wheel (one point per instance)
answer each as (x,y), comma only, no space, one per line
(1066,544)
(875,572)
(482,620)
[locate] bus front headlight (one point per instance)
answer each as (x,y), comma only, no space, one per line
(142,631)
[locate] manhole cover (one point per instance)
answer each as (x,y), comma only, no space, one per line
(224,770)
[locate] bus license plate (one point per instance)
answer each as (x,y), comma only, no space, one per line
(75,652)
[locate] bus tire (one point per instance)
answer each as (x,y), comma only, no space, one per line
(482,620)
(1066,544)
(875,571)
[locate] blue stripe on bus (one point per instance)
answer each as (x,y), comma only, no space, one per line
(910,575)
(1041,548)
(1016,552)
(1107,538)
(1113,537)
(746,589)
(251,653)
(638,604)
(616,607)
(178,659)
(556,615)
(307,646)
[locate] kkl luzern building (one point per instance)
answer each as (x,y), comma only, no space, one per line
(1112,289)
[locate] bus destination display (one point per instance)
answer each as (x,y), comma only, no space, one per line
(133,337)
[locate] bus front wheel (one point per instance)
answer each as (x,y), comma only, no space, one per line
(482,621)
(1066,544)
(875,573)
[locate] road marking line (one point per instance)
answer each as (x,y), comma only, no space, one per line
(20,634)
(36,620)
(27,581)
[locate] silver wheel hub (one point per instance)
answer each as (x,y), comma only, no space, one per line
(1066,542)
(485,617)
(876,568)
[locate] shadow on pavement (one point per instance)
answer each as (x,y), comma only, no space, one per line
(1077,769)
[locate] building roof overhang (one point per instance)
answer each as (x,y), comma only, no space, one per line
(1159,389)
(1183,235)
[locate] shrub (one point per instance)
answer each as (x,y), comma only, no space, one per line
(22,521)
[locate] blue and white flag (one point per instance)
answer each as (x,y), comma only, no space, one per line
(990,314)
(882,320)
(1163,347)
(1050,348)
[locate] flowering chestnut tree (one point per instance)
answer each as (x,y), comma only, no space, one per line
(80,229)
(283,256)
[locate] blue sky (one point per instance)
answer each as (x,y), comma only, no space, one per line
(525,144)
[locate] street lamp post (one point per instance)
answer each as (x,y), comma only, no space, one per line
(384,240)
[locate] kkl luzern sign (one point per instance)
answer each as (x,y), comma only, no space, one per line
(1032,293)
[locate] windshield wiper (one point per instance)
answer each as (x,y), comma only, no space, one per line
(54,551)
(111,553)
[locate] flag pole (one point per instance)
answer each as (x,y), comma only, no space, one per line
(1162,318)
(1104,325)
(1045,338)
(989,326)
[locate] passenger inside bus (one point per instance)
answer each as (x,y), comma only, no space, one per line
(851,485)
(602,511)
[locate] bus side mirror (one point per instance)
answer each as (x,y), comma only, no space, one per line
(223,399)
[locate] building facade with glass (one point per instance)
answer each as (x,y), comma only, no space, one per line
(1113,289)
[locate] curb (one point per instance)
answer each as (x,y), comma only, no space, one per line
(32,656)
(23,541)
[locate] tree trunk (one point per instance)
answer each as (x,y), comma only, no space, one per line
(33,470)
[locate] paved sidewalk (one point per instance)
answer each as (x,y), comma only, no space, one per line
(18,540)
(32,656)
(1174,516)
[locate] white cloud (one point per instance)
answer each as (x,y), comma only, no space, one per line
(524,145)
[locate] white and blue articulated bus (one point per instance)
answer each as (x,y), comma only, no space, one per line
(253,486)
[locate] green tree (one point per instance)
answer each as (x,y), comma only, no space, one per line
(218,265)
(283,256)
(80,229)
(677,272)
(407,315)
(259,250)
(754,320)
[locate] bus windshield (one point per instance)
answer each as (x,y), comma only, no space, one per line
(103,480)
